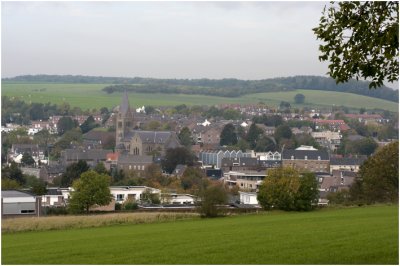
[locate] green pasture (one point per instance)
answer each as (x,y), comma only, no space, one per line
(89,96)
(359,235)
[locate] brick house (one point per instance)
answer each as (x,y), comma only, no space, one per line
(303,159)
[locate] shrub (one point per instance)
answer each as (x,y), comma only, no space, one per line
(55,210)
(130,204)
(211,197)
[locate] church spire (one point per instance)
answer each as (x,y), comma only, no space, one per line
(124,108)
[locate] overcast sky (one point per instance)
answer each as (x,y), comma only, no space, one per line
(244,40)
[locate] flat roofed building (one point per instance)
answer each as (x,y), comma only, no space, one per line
(19,203)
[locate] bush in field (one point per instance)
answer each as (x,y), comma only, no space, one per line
(210,198)
(55,210)
(130,204)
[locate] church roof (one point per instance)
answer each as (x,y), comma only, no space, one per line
(154,136)
(124,108)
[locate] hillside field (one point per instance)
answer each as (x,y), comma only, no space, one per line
(357,235)
(89,96)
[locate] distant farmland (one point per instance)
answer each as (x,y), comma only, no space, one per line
(89,96)
(358,235)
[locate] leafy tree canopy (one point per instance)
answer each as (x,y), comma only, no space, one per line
(90,189)
(361,40)
(210,198)
(13,172)
(283,132)
(285,189)
(228,135)
(299,98)
(73,172)
(176,156)
(378,178)
(185,137)
(64,124)
(27,159)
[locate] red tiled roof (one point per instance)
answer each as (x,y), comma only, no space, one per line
(112,156)
(322,121)
(365,116)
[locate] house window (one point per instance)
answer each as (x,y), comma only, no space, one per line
(130,167)
(120,197)
(27,211)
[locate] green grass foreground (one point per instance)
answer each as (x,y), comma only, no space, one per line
(359,235)
(89,96)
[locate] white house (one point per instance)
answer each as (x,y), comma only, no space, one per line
(53,198)
(33,131)
(248,198)
(141,109)
(122,193)
(206,123)
(173,198)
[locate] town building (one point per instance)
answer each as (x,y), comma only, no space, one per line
(137,142)
(329,139)
(135,193)
(91,156)
(213,158)
(306,158)
(245,180)
(351,164)
(249,198)
(15,203)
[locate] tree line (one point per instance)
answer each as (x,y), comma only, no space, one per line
(214,87)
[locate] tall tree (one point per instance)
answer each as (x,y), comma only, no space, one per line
(176,156)
(378,178)
(283,132)
(185,137)
(361,40)
(13,172)
(212,196)
(299,98)
(254,135)
(365,146)
(100,168)
(27,159)
(285,189)
(73,172)
(64,124)
(228,135)
(88,125)
(90,189)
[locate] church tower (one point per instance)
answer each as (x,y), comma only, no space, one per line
(124,121)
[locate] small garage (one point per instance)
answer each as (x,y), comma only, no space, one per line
(19,203)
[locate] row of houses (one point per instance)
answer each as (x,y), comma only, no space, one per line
(16,203)
(303,158)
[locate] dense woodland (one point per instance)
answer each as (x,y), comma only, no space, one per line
(213,87)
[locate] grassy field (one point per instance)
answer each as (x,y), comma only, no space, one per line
(45,223)
(360,235)
(88,96)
